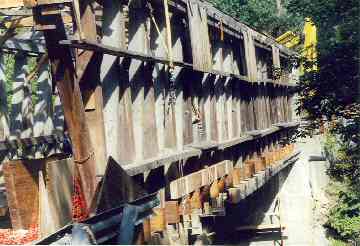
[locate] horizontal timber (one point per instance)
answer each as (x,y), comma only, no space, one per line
(193,150)
(247,187)
(133,169)
(110,50)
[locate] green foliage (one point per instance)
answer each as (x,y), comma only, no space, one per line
(263,15)
(9,60)
(333,92)
(342,164)
(335,242)
(344,217)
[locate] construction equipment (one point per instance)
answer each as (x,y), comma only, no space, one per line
(308,52)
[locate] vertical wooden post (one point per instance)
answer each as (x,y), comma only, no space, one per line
(276,57)
(88,76)
(178,34)
(229,108)
(206,97)
(199,33)
(250,55)
(114,35)
(159,75)
(168,33)
(69,91)
(141,84)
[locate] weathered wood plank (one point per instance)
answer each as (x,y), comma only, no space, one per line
(88,75)
(229,108)
(200,43)
(117,187)
(59,186)
(236,111)
(160,76)
(11,4)
(136,71)
(70,94)
(188,112)
(179,46)
(21,182)
(46,220)
(114,110)
(206,98)
(250,55)
(150,141)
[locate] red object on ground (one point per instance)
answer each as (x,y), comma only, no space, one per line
(17,237)
(13,237)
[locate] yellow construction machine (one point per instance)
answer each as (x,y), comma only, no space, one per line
(308,51)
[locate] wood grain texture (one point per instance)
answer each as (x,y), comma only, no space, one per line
(47,224)
(59,186)
(199,34)
(22,191)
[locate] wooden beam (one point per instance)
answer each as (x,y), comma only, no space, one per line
(11,4)
(261,227)
(106,49)
(88,75)
(29,22)
(15,12)
(69,91)
(111,50)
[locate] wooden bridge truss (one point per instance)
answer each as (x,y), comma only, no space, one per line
(180,95)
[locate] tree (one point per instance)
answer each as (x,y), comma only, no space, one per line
(264,15)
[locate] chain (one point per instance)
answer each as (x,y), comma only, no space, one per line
(172,93)
(198,121)
(172,89)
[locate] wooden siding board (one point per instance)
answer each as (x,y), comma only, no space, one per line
(21,182)
(113,27)
(59,186)
(199,34)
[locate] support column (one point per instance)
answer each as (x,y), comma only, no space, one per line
(113,34)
